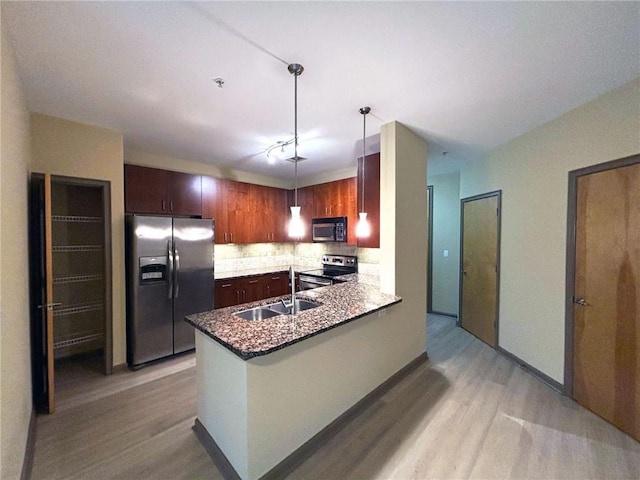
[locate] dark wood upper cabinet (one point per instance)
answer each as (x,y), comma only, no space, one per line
(369,179)
(337,199)
(268,214)
(243,212)
(211,198)
(145,190)
(156,191)
(184,193)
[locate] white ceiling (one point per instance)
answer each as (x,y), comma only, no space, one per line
(465,76)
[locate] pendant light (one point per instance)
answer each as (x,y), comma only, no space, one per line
(363,229)
(296,227)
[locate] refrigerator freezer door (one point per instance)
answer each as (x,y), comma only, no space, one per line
(149,302)
(193,285)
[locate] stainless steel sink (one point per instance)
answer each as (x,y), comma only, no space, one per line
(275,309)
(301,305)
(257,313)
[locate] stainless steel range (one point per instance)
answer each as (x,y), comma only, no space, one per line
(332,266)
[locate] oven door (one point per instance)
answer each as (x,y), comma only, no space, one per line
(324,232)
(308,282)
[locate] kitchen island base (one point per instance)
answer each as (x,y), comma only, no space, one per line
(260,411)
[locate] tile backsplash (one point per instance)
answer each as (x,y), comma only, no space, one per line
(230,258)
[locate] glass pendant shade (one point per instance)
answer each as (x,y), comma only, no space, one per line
(363,229)
(296,227)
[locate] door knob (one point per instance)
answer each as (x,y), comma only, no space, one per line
(580,301)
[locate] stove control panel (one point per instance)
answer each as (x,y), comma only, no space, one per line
(340,260)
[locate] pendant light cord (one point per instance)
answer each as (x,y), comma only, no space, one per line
(364,111)
(295,136)
(364,136)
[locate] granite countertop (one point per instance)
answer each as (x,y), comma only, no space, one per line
(248,272)
(339,304)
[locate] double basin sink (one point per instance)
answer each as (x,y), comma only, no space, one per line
(275,309)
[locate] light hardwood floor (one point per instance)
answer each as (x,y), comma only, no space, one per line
(467,413)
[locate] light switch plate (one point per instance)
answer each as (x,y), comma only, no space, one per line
(445,253)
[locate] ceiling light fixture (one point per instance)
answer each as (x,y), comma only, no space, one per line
(296,227)
(363,229)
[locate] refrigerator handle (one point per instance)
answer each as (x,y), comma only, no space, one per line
(177,270)
(170,276)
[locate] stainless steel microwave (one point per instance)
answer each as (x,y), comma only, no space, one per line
(333,229)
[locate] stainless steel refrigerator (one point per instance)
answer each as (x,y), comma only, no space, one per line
(169,275)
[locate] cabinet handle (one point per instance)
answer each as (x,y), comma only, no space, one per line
(253,281)
(268,290)
(275,278)
(164,206)
(226,285)
(244,295)
(238,295)
(171,206)
(225,237)
(231,237)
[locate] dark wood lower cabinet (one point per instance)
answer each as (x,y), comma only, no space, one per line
(226,293)
(234,291)
(275,284)
(251,288)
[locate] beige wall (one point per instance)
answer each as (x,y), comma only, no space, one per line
(62,147)
(532,172)
(403,249)
(15,352)
(446,236)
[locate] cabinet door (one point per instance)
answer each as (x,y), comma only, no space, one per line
(333,199)
(369,179)
(214,190)
(275,284)
(251,288)
(226,293)
(322,194)
(343,197)
(349,208)
(145,190)
(237,211)
(184,194)
(260,214)
(280,214)
(211,198)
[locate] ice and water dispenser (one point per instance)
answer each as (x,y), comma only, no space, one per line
(153,270)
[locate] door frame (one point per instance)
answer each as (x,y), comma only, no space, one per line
(572,216)
(498,194)
(105,187)
(430,250)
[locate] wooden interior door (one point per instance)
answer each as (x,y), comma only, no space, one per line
(606,329)
(480,221)
(41,280)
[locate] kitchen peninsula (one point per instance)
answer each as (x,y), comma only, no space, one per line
(265,387)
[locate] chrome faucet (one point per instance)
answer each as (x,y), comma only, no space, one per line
(292,278)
